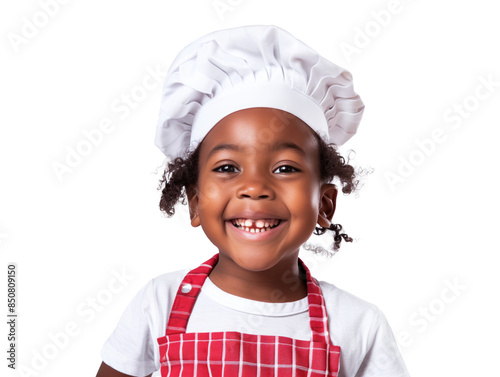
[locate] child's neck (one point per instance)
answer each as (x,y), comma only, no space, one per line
(282,283)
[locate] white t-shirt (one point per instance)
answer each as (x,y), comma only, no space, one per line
(368,347)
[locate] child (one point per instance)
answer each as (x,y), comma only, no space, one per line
(247,115)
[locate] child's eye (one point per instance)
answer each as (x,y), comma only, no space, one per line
(285,169)
(226,169)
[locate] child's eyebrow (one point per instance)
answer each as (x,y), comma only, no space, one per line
(280,145)
(222,147)
(277,146)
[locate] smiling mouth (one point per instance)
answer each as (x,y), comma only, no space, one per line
(255,226)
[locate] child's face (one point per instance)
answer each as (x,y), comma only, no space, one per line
(259,195)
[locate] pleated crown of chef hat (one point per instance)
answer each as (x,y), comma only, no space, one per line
(247,67)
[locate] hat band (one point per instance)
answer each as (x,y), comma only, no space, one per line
(269,95)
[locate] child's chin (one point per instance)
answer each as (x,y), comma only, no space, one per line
(255,260)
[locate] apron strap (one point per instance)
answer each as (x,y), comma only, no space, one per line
(318,317)
(186,296)
(191,286)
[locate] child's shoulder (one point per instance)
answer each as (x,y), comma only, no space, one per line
(162,288)
(169,277)
(363,333)
(168,281)
(348,307)
(332,292)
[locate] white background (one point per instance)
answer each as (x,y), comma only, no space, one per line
(70,235)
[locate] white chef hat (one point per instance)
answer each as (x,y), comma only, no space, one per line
(247,67)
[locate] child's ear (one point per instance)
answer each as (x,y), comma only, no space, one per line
(327,204)
(193,201)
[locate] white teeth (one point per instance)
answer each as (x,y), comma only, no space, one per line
(258,223)
(255,226)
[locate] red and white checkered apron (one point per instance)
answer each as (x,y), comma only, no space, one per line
(234,354)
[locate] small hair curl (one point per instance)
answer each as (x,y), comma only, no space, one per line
(179,175)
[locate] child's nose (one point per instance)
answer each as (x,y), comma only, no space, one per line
(255,188)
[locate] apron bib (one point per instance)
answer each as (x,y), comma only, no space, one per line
(234,354)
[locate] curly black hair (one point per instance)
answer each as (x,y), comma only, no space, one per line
(182,173)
